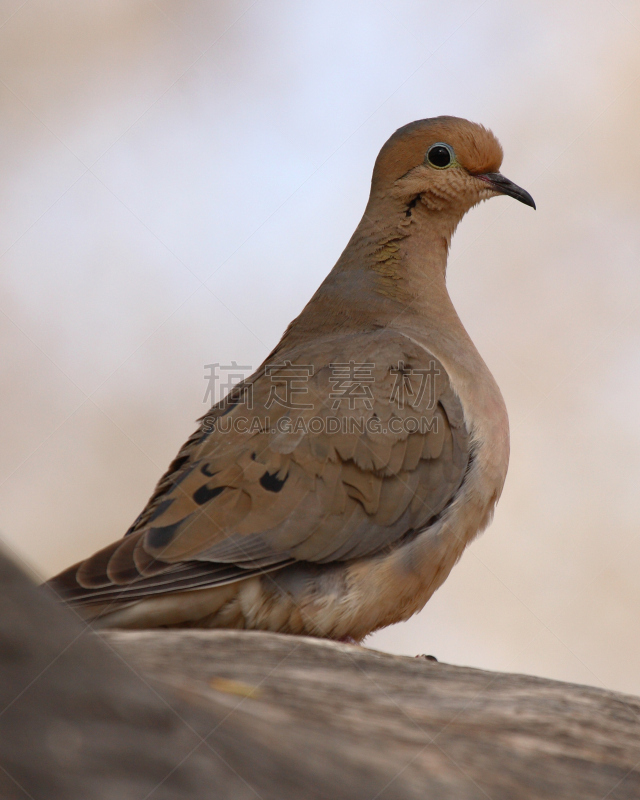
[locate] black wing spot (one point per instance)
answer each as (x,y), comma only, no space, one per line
(160,537)
(228,404)
(204,469)
(411,205)
(271,482)
(204,494)
(184,474)
(178,463)
(162,507)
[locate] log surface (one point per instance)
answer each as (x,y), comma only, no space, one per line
(458,732)
(235,715)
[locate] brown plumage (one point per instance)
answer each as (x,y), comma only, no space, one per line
(335,504)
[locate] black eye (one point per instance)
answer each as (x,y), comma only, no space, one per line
(440,155)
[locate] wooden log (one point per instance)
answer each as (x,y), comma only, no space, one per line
(167,714)
(430,729)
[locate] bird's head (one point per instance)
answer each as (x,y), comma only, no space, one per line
(447,163)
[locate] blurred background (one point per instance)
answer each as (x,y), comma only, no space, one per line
(178,176)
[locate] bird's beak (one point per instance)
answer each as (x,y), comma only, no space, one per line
(499,183)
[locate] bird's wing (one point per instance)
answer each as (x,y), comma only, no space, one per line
(334,451)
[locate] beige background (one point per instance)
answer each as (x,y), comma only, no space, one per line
(177,178)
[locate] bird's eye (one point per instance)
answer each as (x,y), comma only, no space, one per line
(440,155)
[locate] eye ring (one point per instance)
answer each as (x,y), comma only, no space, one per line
(440,155)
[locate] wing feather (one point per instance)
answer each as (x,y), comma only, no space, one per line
(255,489)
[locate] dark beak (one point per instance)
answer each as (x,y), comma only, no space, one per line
(499,183)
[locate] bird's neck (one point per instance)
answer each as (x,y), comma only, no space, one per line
(391,274)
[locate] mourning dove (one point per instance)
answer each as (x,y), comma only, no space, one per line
(331,492)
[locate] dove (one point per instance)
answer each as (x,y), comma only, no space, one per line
(331,492)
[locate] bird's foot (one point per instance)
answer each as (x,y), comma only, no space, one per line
(427,658)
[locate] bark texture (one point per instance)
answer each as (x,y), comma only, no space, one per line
(424,729)
(233,714)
